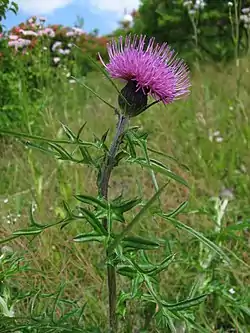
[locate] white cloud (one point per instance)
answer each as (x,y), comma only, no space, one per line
(38,7)
(115,6)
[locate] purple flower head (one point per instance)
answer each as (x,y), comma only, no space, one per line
(149,69)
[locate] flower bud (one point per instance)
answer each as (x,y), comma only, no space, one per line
(132,100)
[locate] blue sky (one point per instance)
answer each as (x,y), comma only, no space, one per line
(100,14)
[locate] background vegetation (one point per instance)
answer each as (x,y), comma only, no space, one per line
(47,280)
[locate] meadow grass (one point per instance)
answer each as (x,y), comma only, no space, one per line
(187,130)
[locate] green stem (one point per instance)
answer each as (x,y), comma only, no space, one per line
(103,188)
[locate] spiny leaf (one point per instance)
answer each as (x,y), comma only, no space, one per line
(68,132)
(80,131)
(87,159)
(169,157)
(40,147)
(119,157)
(162,266)
(100,142)
(139,243)
(28,231)
(132,150)
(93,221)
(127,271)
(138,135)
(7,240)
(42,139)
(136,219)
(67,209)
(159,167)
(136,283)
(64,155)
(178,210)
(90,200)
(89,237)
(183,305)
(104,136)
(126,205)
(33,222)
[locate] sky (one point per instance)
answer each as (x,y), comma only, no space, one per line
(101,14)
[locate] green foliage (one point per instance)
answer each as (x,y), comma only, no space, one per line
(126,252)
(5,6)
(21,90)
(172,268)
(34,57)
(189,30)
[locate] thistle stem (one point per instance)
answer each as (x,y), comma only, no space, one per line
(103,187)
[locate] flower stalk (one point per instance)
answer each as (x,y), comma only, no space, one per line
(103,190)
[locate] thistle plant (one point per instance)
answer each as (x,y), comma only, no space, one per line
(149,70)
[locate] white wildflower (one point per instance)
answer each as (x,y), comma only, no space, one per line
(56,45)
(28,32)
(61,51)
(56,60)
(216,133)
(245,10)
(219,139)
(232,291)
(215,136)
